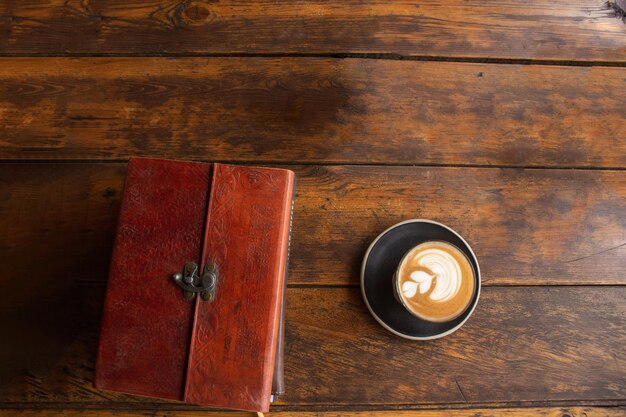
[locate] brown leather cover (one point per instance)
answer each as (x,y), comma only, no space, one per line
(156,343)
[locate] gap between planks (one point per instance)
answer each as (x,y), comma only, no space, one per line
(308,164)
(166,407)
(370,56)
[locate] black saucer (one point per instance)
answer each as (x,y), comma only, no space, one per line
(379,265)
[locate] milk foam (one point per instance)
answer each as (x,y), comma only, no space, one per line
(435,281)
(446,274)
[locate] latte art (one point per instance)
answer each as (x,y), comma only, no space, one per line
(440,278)
(436,281)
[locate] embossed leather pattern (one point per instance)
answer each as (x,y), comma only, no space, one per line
(246,235)
(156,343)
(146,322)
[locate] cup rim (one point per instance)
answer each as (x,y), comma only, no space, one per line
(468,311)
(396,281)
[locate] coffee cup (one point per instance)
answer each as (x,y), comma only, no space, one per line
(443,278)
(434,281)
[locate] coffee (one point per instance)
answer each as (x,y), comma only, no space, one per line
(435,281)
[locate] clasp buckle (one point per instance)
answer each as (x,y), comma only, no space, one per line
(192,283)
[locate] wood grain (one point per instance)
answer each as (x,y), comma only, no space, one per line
(313,111)
(545,29)
(346,89)
(473,412)
(523,344)
(528,227)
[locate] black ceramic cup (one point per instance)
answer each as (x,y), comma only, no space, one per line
(379,267)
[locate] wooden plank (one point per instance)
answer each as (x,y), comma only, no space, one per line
(545,29)
(473,412)
(528,227)
(523,344)
(313,111)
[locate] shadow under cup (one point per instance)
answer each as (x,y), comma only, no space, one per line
(380,265)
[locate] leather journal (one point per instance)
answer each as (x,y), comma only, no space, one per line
(194,302)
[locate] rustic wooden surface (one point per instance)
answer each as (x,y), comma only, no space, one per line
(474,412)
(332,342)
(541,29)
(503,119)
(530,226)
(313,111)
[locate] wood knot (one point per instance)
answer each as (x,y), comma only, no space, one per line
(618,9)
(196,13)
(108,193)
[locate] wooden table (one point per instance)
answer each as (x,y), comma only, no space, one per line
(505,120)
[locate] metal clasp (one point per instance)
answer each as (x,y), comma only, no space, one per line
(192,283)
